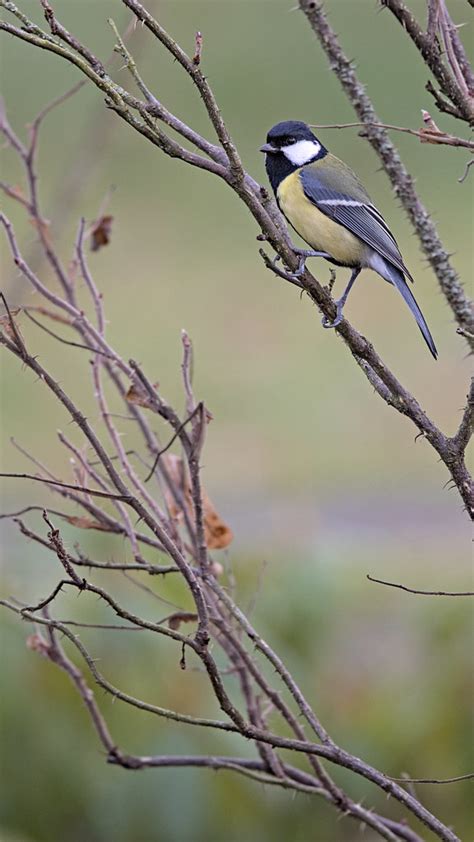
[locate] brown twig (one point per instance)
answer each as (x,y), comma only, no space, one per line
(61,339)
(423,592)
(448,75)
(466,172)
(92,491)
(425,135)
(454,780)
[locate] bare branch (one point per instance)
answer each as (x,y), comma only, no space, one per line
(424,135)
(463,435)
(92,491)
(449,78)
(193,70)
(413,590)
(464,176)
(62,340)
(455,780)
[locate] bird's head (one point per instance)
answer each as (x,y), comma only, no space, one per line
(295,141)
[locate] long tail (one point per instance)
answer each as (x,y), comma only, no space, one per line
(395,277)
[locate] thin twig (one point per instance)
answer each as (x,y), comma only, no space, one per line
(423,592)
(426,136)
(92,491)
(454,780)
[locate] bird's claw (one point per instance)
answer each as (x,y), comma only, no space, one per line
(286,274)
(337,321)
(303,254)
(301,267)
(298,272)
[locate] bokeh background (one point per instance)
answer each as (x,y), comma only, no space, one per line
(321,482)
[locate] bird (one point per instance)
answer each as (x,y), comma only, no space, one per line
(327,205)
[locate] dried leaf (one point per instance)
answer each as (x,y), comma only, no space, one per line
(139,398)
(175,620)
(432,137)
(88,523)
(217,533)
(101,231)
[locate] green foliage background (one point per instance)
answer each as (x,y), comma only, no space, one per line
(321,482)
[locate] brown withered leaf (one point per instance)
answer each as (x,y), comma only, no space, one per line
(101,231)
(88,523)
(175,620)
(139,398)
(217,533)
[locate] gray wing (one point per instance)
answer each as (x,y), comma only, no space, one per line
(327,190)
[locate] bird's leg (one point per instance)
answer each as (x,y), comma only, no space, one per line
(293,277)
(310,252)
(304,254)
(341,301)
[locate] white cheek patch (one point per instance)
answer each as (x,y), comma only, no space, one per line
(302,152)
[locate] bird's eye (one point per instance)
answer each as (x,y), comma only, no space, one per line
(290,140)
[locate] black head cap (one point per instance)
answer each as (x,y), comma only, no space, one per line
(289,131)
(290,145)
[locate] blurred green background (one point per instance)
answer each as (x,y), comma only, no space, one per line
(319,479)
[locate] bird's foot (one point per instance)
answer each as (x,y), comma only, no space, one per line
(299,271)
(301,267)
(292,277)
(304,254)
(339,317)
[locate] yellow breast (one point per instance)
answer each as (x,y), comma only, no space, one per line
(315,227)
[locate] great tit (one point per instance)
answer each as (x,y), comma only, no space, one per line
(325,203)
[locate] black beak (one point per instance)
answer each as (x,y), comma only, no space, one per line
(268,149)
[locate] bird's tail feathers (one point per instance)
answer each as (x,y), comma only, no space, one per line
(394,276)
